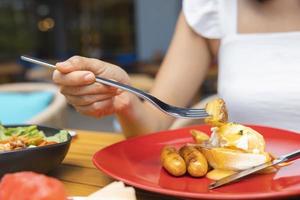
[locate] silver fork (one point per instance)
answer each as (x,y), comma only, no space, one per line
(166,108)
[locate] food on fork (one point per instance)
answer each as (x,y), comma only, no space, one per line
(217,111)
(231,147)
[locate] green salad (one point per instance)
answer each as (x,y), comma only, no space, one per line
(27,137)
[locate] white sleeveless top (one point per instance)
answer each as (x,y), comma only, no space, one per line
(259,74)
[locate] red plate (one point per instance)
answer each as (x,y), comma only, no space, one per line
(136,162)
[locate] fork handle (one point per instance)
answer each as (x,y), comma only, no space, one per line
(155,101)
(128,88)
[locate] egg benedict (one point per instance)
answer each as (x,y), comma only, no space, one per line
(232,147)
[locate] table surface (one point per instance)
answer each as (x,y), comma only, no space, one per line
(78,173)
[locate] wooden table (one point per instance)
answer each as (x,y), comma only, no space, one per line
(78,173)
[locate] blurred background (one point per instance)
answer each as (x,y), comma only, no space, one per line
(133,34)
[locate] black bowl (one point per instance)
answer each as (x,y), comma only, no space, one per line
(38,159)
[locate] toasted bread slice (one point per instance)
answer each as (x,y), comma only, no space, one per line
(235,160)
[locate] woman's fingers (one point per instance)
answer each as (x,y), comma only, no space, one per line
(78,63)
(87,99)
(76,78)
(97,67)
(95,88)
(97,109)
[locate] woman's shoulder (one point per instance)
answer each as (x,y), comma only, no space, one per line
(203,16)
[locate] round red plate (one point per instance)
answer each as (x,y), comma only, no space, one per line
(136,162)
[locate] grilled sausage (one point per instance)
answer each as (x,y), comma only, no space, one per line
(172,161)
(196,163)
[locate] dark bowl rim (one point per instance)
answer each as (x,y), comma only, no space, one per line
(37,148)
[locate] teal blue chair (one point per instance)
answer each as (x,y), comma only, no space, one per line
(32,103)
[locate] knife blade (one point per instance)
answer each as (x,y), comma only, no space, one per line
(237,176)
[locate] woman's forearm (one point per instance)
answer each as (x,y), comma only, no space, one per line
(182,72)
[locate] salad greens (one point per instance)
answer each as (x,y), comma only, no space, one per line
(31,135)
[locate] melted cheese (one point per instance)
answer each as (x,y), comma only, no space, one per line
(217,174)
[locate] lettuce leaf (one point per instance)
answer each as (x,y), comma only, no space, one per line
(61,136)
(2,133)
(31,135)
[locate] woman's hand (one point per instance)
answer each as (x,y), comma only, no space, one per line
(76,77)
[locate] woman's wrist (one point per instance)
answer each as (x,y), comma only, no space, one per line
(129,102)
(134,118)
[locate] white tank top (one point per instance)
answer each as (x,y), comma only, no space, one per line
(259,74)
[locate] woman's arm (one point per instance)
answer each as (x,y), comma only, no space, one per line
(181,74)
